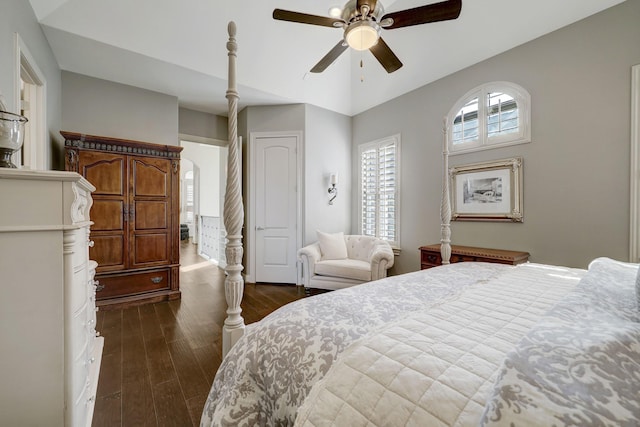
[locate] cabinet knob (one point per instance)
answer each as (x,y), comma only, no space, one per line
(92,360)
(97,334)
(90,400)
(98,286)
(91,243)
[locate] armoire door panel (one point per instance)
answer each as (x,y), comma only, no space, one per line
(150,215)
(108,215)
(150,249)
(107,172)
(151,177)
(108,251)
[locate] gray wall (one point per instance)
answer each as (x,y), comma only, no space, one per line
(99,107)
(576,169)
(16,16)
(326,143)
(327,150)
(267,119)
(206,125)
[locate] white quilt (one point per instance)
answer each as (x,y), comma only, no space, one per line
(448,354)
(269,372)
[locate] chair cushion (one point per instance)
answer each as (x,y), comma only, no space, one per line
(347,268)
(332,246)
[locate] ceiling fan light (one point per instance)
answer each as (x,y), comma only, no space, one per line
(335,11)
(362,35)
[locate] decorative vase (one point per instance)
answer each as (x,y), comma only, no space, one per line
(11,136)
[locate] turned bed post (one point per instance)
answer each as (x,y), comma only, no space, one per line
(233,212)
(445,207)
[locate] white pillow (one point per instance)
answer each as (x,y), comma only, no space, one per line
(332,246)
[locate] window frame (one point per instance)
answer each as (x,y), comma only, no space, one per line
(189,181)
(377,144)
(484,141)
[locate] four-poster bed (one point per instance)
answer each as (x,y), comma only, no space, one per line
(462,344)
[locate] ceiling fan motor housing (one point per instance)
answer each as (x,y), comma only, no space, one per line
(351,14)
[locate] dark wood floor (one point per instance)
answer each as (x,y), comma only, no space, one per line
(159,360)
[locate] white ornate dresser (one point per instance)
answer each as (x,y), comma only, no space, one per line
(50,352)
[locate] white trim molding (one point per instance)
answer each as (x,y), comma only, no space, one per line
(634,229)
(36,151)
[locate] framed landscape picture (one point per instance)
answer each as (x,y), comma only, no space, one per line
(490,191)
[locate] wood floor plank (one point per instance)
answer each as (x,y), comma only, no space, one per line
(159,361)
(137,404)
(195,406)
(190,375)
(112,326)
(110,378)
(149,321)
(134,359)
(168,323)
(131,322)
(171,408)
(209,359)
(108,411)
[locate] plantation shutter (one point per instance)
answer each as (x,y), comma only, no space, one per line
(379,191)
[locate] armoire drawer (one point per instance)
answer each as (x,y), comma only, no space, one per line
(133,283)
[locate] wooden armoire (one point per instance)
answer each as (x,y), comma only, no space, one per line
(135,216)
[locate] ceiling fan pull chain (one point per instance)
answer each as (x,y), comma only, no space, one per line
(361,69)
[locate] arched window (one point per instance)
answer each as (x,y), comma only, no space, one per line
(491,115)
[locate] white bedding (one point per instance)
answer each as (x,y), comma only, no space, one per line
(268,374)
(448,354)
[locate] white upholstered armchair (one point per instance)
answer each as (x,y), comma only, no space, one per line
(338,261)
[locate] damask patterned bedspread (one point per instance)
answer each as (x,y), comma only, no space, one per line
(580,365)
(436,367)
(269,372)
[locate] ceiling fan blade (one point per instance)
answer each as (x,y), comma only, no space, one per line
(329,57)
(304,18)
(435,12)
(371,3)
(385,56)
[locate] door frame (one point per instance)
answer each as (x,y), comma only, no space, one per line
(250,254)
(35,148)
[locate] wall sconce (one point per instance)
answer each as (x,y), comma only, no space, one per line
(333,190)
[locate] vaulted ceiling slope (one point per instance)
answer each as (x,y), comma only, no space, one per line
(179,47)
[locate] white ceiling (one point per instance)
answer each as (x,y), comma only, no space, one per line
(179,47)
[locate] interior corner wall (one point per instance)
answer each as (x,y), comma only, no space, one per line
(327,151)
(576,169)
(204,156)
(17,16)
(104,108)
(206,125)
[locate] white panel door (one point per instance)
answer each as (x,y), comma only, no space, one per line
(276,209)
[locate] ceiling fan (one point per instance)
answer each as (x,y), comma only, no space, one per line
(363,20)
